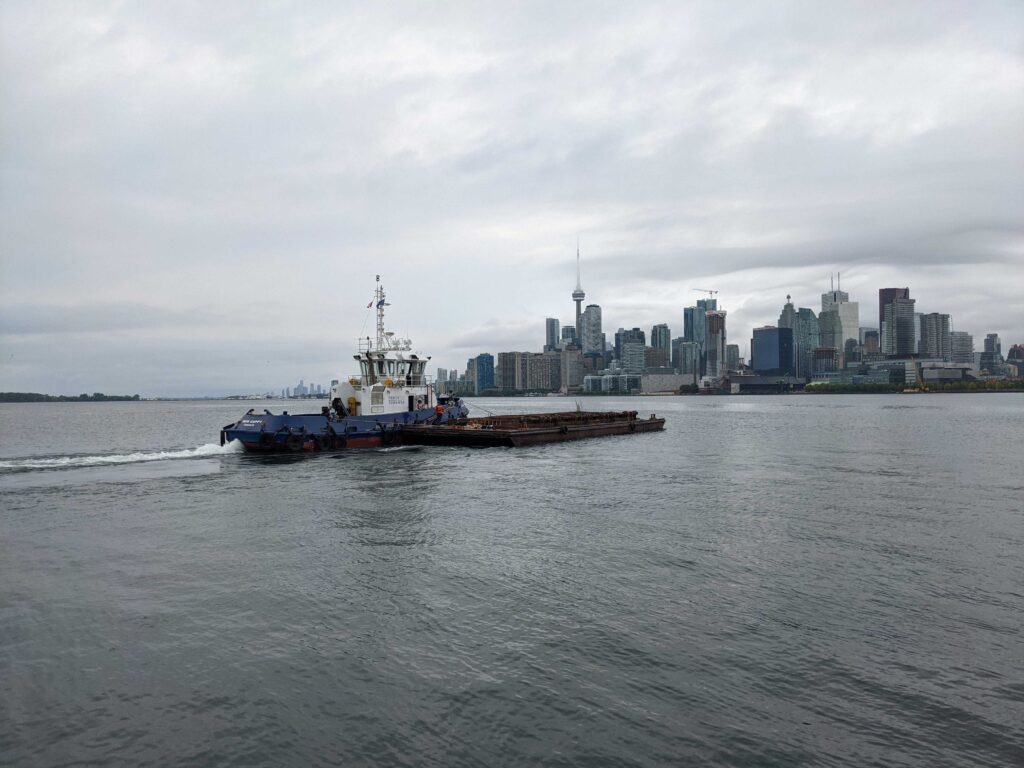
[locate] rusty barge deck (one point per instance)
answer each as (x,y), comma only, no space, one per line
(530,429)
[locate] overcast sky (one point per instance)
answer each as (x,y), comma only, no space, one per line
(196,198)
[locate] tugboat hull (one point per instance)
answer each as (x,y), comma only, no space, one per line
(310,433)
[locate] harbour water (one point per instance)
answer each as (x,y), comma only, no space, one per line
(785,581)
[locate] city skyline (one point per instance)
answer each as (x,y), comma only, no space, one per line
(196,199)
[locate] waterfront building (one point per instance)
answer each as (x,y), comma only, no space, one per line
(483,372)
(935,336)
(961,347)
(665,381)
(714,345)
(771,351)
(551,337)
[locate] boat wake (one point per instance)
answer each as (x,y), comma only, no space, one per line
(66,462)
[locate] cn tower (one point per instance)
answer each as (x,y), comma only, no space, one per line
(578,296)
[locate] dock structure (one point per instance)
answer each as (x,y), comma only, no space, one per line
(529,428)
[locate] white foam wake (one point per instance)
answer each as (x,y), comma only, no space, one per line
(60,462)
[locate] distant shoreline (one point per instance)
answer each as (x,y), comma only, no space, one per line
(36,397)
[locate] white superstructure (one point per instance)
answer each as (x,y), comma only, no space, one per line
(391,378)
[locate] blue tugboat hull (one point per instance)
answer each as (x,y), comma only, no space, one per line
(310,432)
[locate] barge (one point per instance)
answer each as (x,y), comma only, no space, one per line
(529,429)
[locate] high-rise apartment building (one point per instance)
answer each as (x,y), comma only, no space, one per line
(483,373)
(935,336)
(545,371)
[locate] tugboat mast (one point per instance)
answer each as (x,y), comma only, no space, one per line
(378,297)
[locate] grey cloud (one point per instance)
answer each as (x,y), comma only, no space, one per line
(249,170)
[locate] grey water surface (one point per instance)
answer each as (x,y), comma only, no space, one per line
(772,581)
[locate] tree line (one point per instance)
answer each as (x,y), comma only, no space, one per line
(36,397)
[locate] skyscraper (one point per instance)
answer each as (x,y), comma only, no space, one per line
(806,339)
(714,344)
(845,324)
(788,319)
(695,327)
(551,331)
(483,369)
(898,327)
(684,358)
(590,331)
(661,337)
(885,297)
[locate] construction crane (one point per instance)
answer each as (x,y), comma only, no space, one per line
(710,293)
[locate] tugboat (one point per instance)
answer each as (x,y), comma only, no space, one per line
(367,410)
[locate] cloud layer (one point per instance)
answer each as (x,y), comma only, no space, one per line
(183,185)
